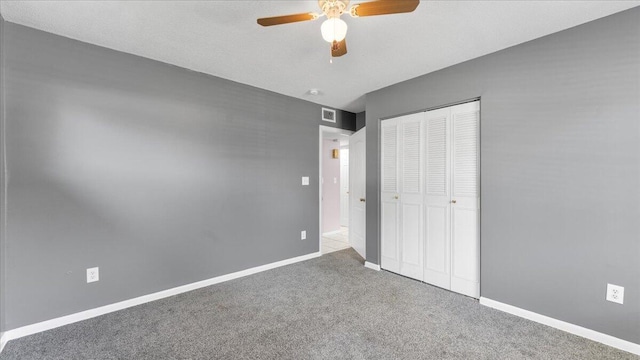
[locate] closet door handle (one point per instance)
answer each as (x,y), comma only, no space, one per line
(362,200)
(396,197)
(453,201)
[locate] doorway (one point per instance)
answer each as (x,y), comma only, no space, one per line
(334,189)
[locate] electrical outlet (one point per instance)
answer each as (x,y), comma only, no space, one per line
(93,274)
(615,293)
(305,180)
(303,235)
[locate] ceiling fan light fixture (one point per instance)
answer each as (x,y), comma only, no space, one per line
(334,29)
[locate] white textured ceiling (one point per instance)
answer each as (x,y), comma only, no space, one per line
(222,38)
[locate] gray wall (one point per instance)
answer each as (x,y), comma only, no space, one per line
(361,119)
(344,120)
(560,169)
(2,177)
(158,175)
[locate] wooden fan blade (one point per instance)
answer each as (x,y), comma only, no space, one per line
(339,48)
(384,7)
(286,19)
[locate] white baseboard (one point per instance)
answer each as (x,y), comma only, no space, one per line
(88,314)
(3,341)
(371,266)
(564,326)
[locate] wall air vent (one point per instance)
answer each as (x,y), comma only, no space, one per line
(328,115)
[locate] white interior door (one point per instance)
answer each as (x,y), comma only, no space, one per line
(344,186)
(390,195)
(357,198)
(402,196)
(437,264)
(411,196)
(430,197)
(465,199)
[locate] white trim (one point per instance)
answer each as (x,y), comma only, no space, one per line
(564,326)
(88,314)
(331,232)
(371,266)
(3,341)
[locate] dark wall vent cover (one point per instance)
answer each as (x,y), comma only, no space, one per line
(328,115)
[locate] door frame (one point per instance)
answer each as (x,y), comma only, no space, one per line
(323,129)
(379,180)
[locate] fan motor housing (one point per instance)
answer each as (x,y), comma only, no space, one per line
(333,8)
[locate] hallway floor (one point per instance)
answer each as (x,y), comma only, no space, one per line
(336,241)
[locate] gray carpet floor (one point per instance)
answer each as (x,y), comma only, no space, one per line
(326,308)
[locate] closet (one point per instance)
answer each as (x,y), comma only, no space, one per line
(430,197)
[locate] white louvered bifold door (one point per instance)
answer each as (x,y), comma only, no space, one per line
(430,197)
(411,195)
(465,235)
(390,206)
(437,247)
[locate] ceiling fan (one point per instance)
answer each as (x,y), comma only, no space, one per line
(334,29)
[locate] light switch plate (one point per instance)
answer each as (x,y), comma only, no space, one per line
(93,274)
(305,180)
(615,293)
(303,235)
